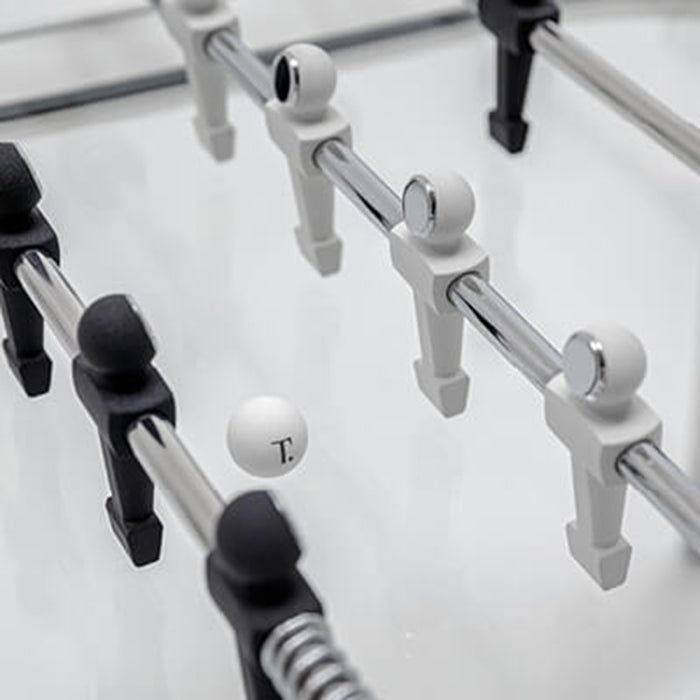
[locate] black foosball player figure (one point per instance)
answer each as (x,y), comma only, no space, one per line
(285,647)
(22,228)
(254,580)
(512,22)
(117,384)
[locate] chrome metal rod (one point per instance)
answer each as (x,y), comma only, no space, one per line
(675,134)
(53,295)
(175,472)
(360,184)
(253,74)
(666,487)
(503,326)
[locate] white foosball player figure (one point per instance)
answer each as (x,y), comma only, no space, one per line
(299,120)
(191,22)
(431,250)
(593,408)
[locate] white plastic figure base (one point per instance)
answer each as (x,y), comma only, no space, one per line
(191,22)
(594,410)
(431,250)
(441,342)
(315,198)
(299,120)
(267,437)
(594,540)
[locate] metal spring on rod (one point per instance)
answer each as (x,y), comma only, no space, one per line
(302,663)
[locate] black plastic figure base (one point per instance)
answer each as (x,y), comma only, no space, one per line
(22,228)
(117,384)
(512,22)
(141,539)
(253,578)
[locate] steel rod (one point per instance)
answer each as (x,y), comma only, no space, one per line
(53,295)
(253,74)
(664,485)
(175,472)
(360,184)
(675,134)
(503,326)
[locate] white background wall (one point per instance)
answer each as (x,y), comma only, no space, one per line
(273,19)
(89,54)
